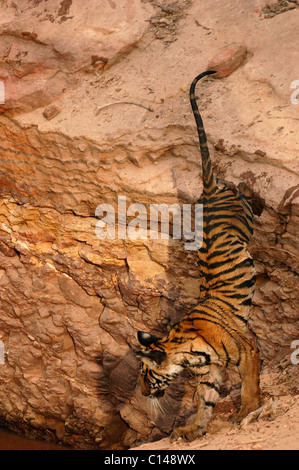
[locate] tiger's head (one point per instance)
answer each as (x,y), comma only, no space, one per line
(157,369)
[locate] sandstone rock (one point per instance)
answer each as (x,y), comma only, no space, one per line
(227,60)
(269,411)
(38,60)
(51,112)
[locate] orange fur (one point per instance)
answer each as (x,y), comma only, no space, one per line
(214,335)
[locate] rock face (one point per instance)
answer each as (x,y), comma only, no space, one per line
(71,303)
(44,45)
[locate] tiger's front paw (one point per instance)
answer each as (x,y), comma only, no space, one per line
(187,433)
(244,411)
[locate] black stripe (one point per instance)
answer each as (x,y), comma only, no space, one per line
(228,244)
(235,278)
(247,302)
(209,403)
(209,344)
(202,312)
(202,319)
(226,327)
(228,304)
(217,253)
(202,354)
(233,295)
(243,264)
(249,283)
(219,223)
(211,385)
(214,307)
(237,250)
(227,355)
(216,220)
(241,318)
(217,264)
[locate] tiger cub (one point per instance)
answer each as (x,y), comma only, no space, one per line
(214,335)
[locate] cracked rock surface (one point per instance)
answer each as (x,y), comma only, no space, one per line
(71,304)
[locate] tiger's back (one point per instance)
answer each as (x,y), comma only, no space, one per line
(214,334)
(226,266)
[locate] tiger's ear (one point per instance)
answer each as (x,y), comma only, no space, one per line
(156,356)
(146,339)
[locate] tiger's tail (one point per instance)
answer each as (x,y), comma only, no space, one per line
(209,181)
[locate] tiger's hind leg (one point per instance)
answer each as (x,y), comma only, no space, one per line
(208,391)
(249,368)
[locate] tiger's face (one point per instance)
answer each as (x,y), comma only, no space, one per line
(156,370)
